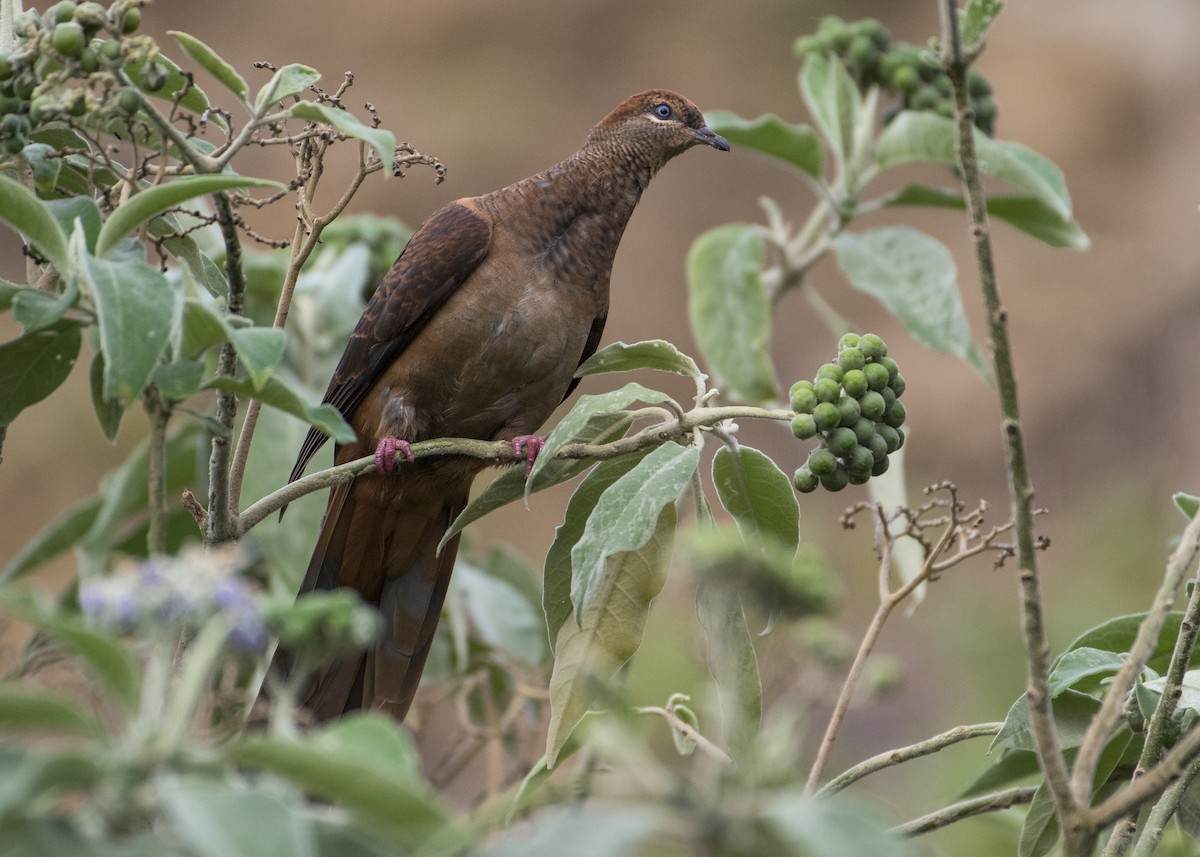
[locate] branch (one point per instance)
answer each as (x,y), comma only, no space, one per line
(1156,822)
(708,747)
(1041,715)
(965,809)
(906,754)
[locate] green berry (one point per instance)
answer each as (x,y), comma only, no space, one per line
(128,100)
(872,405)
(889,396)
(831,371)
(841,441)
(877,376)
(855,383)
(891,437)
(131,20)
(14,145)
(858,477)
(89,61)
(872,346)
(837,480)
(977,85)
(860,460)
(890,364)
(849,340)
(898,385)
(110,49)
(905,78)
(895,415)
(24,86)
(821,461)
(864,430)
(91,16)
(827,416)
(827,390)
(6,68)
(805,481)
(803,398)
(152,77)
(925,98)
(945,108)
(880,466)
(68,39)
(804,426)
(861,51)
(851,358)
(985,110)
(850,411)
(878,445)
(9,105)
(62,12)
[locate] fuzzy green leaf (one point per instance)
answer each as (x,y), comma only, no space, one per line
(383,142)
(278,395)
(34,365)
(208,60)
(23,211)
(1073,712)
(797,145)
(259,349)
(833,101)
(193,98)
(59,535)
(975,18)
(758,495)
(290,80)
(24,708)
(733,664)
(649,354)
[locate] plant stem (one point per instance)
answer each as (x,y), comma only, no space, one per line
(905,754)
(965,809)
(1041,715)
(156,457)
(1156,822)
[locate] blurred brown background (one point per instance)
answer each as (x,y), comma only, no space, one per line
(1103,339)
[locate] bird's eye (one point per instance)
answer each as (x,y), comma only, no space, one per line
(663,111)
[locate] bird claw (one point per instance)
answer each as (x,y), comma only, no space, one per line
(532,444)
(385,453)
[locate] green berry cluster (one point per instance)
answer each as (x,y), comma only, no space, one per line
(853,406)
(64,65)
(907,71)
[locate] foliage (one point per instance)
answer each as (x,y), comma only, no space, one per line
(118,172)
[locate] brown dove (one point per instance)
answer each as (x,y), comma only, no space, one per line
(475,332)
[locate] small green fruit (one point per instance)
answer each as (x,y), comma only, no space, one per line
(62,12)
(827,390)
(860,460)
(805,481)
(864,430)
(861,51)
(89,61)
(131,20)
(128,100)
(905,78)
(872,346)
(977,85)
(803,398)
(890,364)
(851,358)
(890,436)
(850,411)
(889,396)
(837,480)
(68,39)
(877,376)
(110,49)
(821,461)
(925,98)
(152,77)
(898,385)
(878,446)
(854,382)
(848,340)
(827,416)
(896,415)
(841,442)
(858,477)
(831,371)
(804,426)
(91,16)
(881,466)
(872,405)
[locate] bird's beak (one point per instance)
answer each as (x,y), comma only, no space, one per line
(708,137)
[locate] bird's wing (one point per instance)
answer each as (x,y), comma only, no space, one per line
(589,348)
(438,258)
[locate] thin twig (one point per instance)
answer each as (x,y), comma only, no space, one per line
(966,809)
(159,414)
(905,754)
(1156,822)
(708,747)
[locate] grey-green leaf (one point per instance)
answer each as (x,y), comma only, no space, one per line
(797,145)
(732,663)
(108,411)
(926,137)
(1073,712)
(143,205)
(975,18)
(626,515)
(290,80)
(914,276)
(34,365)
(23,211)
(383,142)
(1189,504)
(648,354)
(758,495)
(278,395)
(833,101)
(208,60)
(730,311)
(1030,214)
(1082,663)
(1039,833)
(259,349)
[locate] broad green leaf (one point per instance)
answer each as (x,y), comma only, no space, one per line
(732,663)
(501,614)
(1082,663)
(23,211)
(25,708)
(1188,812)
(583,832)
(259,349)
(221,818)
(592,415)
(107,657)
(1189,504)
(56,537)
(374,741)
(1118,634)
(927,137)
(77,208)
(35,308)
(44,167)
(34,365)
(797,145)
(1189,689)
(319,767)
(1028,213)
(626,516)
(383,142)
(203,326)
(287,81)
(833,101)
(914,276)
(181,380)
(730,311)
(758,495)
(609,631)
(33,776)
(278,395)
(649,354)
(1039,833)
(839,827)
(1012,767)
(193,98)
(1073,712)
(202,269)
(208,60)
(556,573)
(975,18)
(138,310)
(154,200)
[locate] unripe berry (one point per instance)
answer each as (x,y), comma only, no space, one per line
(68,39)
(890,364)
(859,461)
(848,340)
(889,396)
(872,405)
(821,461)
(925,98)
(827,390)
(849,359)
(803,399)
(832,371)
(841,441)
(878,446)
(854,382)
(805,481)
(864,430)
(890,436)
(877,375)
(131,20)
(895,415)
(827,416)
(898,385)
(837,480)
(880,466)
(905,78)
(804,426)
(128,100)
(872,346)
(849,410)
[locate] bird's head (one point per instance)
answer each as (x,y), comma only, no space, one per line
(657,123)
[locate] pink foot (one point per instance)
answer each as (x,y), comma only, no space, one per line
(533,446)
(385,453)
